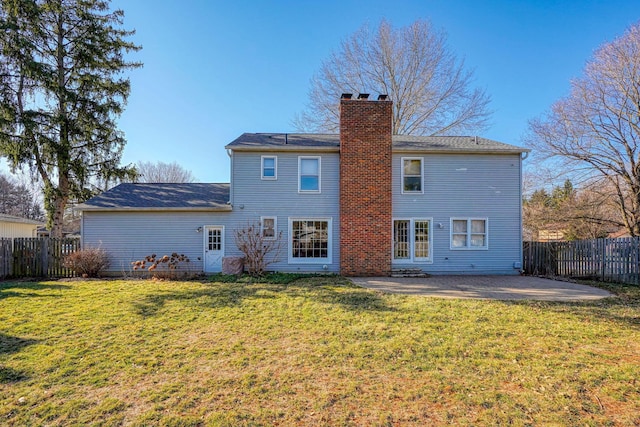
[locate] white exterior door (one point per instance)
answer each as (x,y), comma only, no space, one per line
(213,249)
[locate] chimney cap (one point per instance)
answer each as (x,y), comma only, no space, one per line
(346,96)
(382,97)
(363,96)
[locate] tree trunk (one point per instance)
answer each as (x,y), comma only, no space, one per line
(59,205)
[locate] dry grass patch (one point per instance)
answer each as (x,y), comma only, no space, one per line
(316,351)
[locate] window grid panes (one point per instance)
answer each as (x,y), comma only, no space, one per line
(310,239)
(478,233)
(268,167)
(401,239)
(469,234)
(412,175)
(215,239)
(421,239)
(411,239)
(269,228)
(309,174)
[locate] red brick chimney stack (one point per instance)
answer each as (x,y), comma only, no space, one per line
(365,186)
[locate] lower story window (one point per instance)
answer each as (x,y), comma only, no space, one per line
(469,233)
(268,225)
(310,240)
(412,239)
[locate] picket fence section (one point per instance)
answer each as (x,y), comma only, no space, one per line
(5,258)
(36,257)
(607,260)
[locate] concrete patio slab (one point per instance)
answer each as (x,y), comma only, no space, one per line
(485,287)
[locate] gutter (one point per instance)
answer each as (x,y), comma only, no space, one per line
(226,208)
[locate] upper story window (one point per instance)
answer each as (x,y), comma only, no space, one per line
(469,233)
(412,174)
(309,174)
(269,167)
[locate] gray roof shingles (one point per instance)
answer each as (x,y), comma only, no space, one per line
(292,141)
(161,196)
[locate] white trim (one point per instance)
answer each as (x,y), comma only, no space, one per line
(468,233)
(275,168)
(319,190)
(402,190)
(328,259)
(412,258)
(275,226)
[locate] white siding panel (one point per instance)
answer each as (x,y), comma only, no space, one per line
(131,236)
(253,198)
(467,186)
(10,230)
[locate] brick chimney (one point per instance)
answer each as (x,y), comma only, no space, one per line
(365,186)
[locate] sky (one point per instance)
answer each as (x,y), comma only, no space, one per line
(216,69)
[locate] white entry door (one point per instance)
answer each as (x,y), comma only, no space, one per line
(213,249)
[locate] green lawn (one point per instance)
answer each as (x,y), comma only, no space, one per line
(315,351)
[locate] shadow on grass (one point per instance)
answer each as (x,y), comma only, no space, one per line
(19,289)
(8,375)
(214,296)
(326,290)
(338,291)
(10,344)
(623,308)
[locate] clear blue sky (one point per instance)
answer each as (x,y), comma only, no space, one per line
(215,69)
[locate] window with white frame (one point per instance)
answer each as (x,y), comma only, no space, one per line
(401,239)
(268,225)
(309,174)
(412,175)
(469,233)
(310,240)
(269,167)
(412,240)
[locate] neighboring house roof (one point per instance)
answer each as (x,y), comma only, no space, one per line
(20,220)
(331,142)
(161,196)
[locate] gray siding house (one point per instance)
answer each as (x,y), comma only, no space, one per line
(452,205)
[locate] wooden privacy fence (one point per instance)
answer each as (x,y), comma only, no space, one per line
(5,257)
(36,257)
(607,260)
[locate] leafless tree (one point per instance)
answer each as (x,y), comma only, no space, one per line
(18,199)
(430,87)
(259,250)
(574,214)
(162,172)
(594,132)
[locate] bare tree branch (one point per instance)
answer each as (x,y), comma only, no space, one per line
(163,172)
(597,127)
(430,87)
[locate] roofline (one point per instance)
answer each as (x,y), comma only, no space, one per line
(516,150)
(267,148)
(18,220)
(292,148)
(82,208)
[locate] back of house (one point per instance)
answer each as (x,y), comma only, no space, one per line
(362,202)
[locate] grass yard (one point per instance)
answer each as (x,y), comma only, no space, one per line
(315,351)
